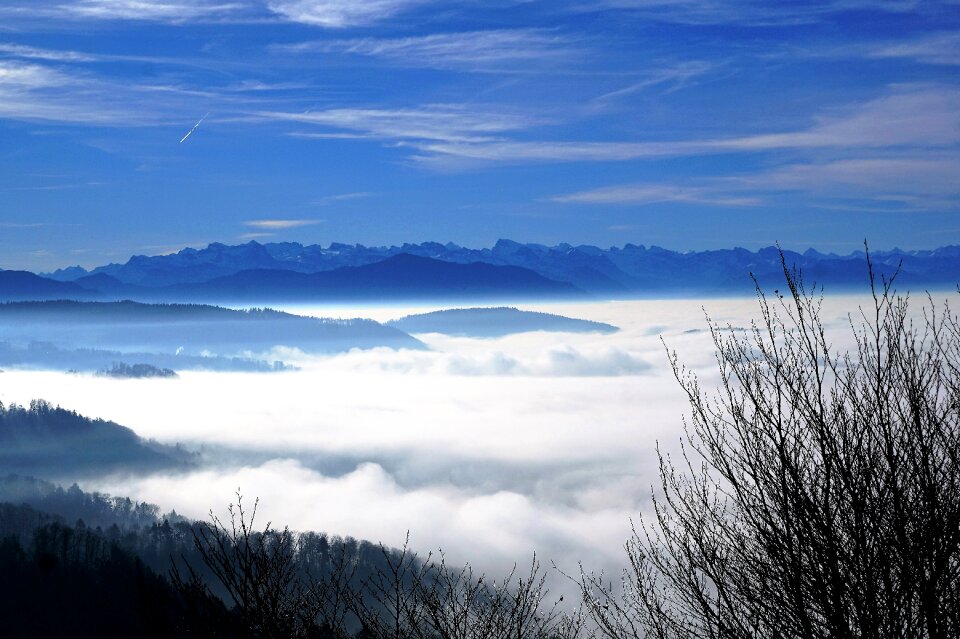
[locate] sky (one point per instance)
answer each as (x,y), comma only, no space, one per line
(685,124)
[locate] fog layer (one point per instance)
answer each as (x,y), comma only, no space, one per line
(488,448)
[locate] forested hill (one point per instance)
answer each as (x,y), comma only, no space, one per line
(79,564)
(187,329)
(55,443)
(495,322)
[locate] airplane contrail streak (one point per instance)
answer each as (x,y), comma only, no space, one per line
(195,126)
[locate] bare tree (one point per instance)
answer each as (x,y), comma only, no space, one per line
(460,605)
(260,572)
(399,597)
(425,599)
(388,602)
(817,493)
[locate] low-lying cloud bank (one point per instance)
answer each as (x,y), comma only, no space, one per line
(488,448)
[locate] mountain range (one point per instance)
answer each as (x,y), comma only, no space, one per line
(292,271)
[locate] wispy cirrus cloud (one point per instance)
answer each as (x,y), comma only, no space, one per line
(441,122)
(21,225)
(906,117)
(499,50)
(321,13)
(935,174)
(35,53)
(896,184)
(754,13)
(342,197)
(30,76)
(336,14)
(442,136)
(634,194)
(672,77)
(153,10)
(340,13)
(38,92)
(937,48)
(42,85)
(279,225)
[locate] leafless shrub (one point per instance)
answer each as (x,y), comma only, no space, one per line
(817,493)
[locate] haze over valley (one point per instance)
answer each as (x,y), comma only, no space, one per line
(489,447)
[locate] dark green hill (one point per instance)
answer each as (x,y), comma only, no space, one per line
(55,443)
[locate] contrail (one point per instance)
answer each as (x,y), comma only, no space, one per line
(195,126)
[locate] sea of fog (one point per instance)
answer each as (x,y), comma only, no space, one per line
(490,449)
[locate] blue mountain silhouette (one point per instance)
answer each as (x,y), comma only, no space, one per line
(341,271)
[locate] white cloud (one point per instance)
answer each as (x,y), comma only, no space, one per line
(907,116)
(372,444)
(501,50)
(491,530)
(30,76)
(444,122)
(672,76)
(937,48)
(565,361)
(280,224)
(656,194)
(910,116)
(23,51)
(901,182)
(31,91)
(933,175)
(161,10)
(754,12)
(342,197)
(340,13)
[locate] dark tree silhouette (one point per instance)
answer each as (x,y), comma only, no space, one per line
(412,599)
(273,592)
(260,573)
(817,493)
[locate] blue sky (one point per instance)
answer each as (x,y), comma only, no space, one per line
(689,125)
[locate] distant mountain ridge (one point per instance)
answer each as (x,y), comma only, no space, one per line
(400,276)
(345,271)
(25,286)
